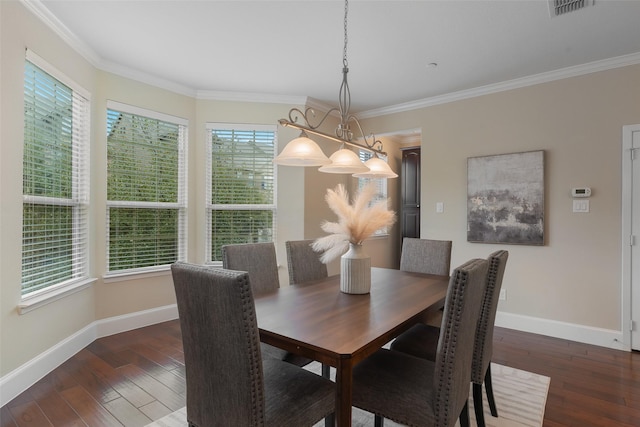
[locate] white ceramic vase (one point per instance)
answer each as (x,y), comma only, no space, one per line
(355,271)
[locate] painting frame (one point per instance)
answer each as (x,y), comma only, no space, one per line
(505,198)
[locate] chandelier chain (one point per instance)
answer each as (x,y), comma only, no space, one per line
(343,133)
(344,55)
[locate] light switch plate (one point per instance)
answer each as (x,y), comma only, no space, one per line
(439,207)
(581,206)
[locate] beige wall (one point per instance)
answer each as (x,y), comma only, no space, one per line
(576,276)
(384,250)
(139,292)
(27,336)
(291,181)
(24,337)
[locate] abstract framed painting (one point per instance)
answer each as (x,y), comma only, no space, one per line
(505,198)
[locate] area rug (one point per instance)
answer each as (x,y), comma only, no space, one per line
(520,397)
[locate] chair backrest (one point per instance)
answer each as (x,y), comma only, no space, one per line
(221,346)
(304,263)
(258,259)
(457,337)
(483,349)
(426,256)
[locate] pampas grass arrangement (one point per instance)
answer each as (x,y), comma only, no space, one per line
(356,222)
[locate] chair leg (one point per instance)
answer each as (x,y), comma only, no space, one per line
(326,371)
(330,420)
(489,388)
(477,404)
(378,421)
(464,415)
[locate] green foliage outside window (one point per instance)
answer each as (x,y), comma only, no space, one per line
(143,161)
(53,215)
(47,242)
(142,237)
(237,226)
(242,188)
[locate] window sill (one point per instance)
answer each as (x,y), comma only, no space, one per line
(32,302)
(136,274)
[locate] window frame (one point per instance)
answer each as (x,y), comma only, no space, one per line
(80,131)
(210,207)
(180,204)
(382,184)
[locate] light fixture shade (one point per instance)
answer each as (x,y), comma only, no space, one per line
(378,168)
(302,151)
(344,161)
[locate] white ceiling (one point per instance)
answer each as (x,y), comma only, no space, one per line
(286,49)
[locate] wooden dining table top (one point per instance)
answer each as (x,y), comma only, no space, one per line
(318,321)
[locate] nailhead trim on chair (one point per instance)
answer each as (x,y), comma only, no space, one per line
(257,393)
(445,365)
(480,358)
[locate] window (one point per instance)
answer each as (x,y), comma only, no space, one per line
(241,197)
(380,183)
(55,179)
(146,189)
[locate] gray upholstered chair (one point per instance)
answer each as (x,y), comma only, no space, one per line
(419,392)
(422,340)
(259,260)
(303,262)
(426,256)
(305,266)
(228,382)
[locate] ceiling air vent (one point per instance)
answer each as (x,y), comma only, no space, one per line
(562,7)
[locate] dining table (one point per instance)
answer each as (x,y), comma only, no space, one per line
(318,321)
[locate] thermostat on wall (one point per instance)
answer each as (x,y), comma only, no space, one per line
(581,192)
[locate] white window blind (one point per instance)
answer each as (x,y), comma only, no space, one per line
(241,191)
(146,189)
(380,183)
(55,179)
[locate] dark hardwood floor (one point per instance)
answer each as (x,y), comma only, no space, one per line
(135,377)
(590,385)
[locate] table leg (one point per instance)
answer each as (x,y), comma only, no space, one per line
(344,386)
(330,420)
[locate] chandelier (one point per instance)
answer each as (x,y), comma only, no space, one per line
(303,151)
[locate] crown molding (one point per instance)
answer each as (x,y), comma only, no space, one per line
(404,137)
(146,78)
(250,97)
(320,106)
(40,11)
(575,71)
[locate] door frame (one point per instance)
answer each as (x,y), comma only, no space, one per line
(627,177)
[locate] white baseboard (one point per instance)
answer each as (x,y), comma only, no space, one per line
(140,319)
(20,379)
(568,331)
